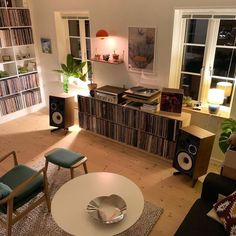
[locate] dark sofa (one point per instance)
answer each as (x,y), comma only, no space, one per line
(196,221)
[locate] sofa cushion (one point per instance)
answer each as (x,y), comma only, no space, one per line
(226,211)
(5,190)
(198,223)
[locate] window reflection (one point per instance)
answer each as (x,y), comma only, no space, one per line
(227,33)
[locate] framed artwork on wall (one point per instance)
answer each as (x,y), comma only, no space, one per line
(141,49)
(46,45)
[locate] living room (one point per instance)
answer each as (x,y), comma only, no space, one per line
(28,131)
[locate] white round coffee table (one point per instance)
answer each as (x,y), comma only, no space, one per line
(70,202)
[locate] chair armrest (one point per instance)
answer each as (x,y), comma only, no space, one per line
(21,186)
(13,154)
(215,184)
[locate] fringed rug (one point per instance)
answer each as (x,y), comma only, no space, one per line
(39,222)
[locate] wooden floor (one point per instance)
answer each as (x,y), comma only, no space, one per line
(30,136)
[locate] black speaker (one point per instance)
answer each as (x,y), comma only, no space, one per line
(193,151)
(61,111)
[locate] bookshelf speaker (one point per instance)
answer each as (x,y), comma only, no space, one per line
(61,111)
(193,151)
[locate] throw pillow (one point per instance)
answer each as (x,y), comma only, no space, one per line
(4,190)
(226,211)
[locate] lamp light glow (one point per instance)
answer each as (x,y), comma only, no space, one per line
(215,98)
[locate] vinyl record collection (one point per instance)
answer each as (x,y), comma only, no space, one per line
(22,36)
(32,97)
(11,104)
(5,38)
(151,132)
(17,84)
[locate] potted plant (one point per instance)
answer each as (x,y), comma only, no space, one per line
(228,134)
(71,69)
(92,86)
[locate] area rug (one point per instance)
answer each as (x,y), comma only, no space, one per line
(39,222)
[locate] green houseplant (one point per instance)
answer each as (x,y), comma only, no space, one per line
(228,134)
(71,69)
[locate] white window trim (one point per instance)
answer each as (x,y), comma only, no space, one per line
(177,47)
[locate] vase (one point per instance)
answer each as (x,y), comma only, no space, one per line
(92,88)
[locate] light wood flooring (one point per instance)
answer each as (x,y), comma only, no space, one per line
(30,136)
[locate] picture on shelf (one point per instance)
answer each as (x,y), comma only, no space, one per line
(46,45)
(141,49)
(171,100)
(6,58)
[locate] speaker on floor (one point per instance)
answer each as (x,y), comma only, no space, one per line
(61,111)
(193,151)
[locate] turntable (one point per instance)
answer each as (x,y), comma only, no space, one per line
(143,93)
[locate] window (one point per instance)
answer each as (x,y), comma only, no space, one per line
(206,56)
(73,36)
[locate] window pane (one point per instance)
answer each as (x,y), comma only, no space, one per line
(73,28)
(88,48)
(75,48)
(227,33)
(87,29)
(226,85)
(190,84)
(225,62)
(196,31)
(193,58)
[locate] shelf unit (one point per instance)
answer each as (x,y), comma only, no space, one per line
(153,132)
(20,86)
(108,62)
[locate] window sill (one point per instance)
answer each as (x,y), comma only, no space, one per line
(204,111)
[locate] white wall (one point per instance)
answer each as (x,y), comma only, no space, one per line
(116,17)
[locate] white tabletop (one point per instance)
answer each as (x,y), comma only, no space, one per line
(70,202)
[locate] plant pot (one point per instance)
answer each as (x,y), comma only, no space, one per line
(92,88)
(115,57)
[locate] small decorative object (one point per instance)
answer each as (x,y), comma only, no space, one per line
(106,57)
(215,99)
(171,100)
(97,57)
(115,56)
(46,45)
(228,134)
(92,86)
(107,209)
(6,58)
(141,49)
(187,101)
(197,106)
(32,66)
(3,74)
(71,69)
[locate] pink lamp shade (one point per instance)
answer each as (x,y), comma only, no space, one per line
(102,34)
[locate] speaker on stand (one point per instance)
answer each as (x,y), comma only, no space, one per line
(193,151)
(61,112)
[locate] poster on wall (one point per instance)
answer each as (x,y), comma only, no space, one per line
(46,45)
(141,49)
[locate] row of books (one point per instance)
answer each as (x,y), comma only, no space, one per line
(32,97)
(17,84)
(157,145)
(11,104)
(152,123)
(4,19)
(109,129)
(22,36)
(19,17)
(5,38)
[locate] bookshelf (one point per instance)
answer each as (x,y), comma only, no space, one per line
(152,132)
(20,86)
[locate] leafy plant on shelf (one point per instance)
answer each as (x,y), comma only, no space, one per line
(71,69)
(22,70)
(3,74)
(228,134)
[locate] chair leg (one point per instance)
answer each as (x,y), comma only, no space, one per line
(46,191)
(72,172)
(85,168)
(9,216)
(46,165)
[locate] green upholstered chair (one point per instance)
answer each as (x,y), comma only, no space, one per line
(67,159)
(18,186)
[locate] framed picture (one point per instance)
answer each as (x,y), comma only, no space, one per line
(141,49)
(46,45)
(171,100)
(6,58)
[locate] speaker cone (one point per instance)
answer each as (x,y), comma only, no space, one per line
(53,106)
(57,118)
(184,161)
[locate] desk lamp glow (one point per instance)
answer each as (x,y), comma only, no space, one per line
(215,99)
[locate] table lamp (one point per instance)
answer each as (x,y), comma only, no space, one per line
(215,99)
(227,87)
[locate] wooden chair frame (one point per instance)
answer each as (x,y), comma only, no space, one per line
(10,218)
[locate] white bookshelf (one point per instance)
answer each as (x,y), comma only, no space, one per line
(20,85)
